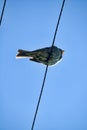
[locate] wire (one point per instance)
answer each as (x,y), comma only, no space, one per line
(45,74)
(58,22)
(2,12)
(39,98)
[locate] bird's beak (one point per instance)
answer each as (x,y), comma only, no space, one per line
(63,52)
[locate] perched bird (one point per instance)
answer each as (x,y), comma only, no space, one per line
(47,55)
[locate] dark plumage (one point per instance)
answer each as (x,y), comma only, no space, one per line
(47,55)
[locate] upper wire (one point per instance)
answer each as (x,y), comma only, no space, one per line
(45,74)
(2,12)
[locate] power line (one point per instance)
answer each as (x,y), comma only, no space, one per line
(2,12)
(37,107)
(45,74)
(58,22)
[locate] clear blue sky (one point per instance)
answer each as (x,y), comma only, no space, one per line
(30,24)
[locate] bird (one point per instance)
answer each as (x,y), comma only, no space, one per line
(47,55)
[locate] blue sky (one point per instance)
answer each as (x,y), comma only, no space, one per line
(30,25)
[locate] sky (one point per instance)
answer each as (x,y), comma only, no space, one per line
(29,25)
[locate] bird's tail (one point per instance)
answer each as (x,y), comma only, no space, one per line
(23,54)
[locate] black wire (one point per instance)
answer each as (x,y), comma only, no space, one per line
(58,22)
(45,74)
(2,12)
(39,98)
